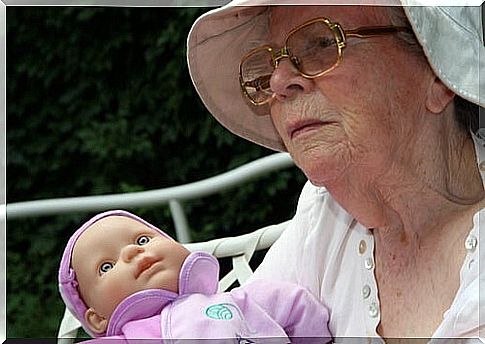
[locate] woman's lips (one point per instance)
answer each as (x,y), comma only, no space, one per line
(304,127)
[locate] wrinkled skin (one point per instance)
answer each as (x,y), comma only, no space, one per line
(379,133)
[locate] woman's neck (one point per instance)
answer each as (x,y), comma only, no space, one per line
(413,199)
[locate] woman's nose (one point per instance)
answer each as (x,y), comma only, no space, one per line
(131,251)
(286,81)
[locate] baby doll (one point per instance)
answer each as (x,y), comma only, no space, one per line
(125,279)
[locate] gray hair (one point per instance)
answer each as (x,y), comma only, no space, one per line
(466,113)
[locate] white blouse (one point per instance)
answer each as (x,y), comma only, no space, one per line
(327,251)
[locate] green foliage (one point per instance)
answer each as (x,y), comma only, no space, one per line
(100,101)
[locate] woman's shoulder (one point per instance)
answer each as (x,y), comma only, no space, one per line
(317,212)
(318,228)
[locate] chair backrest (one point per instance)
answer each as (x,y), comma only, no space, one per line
(174,196)
(240,249)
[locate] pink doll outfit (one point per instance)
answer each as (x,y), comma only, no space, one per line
(259,312)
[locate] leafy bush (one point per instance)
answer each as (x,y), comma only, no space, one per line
(100,101)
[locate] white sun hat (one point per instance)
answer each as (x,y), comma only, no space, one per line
(450,32)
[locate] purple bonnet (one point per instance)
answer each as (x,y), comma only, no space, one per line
(67,277)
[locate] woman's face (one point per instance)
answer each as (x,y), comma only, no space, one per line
(361,114)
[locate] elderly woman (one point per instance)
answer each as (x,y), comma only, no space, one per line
(377,106)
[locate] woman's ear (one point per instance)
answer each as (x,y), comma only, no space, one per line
(439,96)
(95,322)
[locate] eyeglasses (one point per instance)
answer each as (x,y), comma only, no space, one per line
(314,48)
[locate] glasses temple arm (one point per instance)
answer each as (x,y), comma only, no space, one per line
(376,31)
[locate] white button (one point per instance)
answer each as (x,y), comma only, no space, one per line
(373,310)
(471,242)
(362,247)
(368,263)
(365,291)
(481,166)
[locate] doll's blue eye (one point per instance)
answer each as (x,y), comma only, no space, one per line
(142,240)
(105,267)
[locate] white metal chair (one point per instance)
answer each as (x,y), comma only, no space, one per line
(173,196)
(240,249)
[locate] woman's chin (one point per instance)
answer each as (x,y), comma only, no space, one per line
(322,172)
(321,167)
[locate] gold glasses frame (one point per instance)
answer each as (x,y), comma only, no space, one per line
(341,42)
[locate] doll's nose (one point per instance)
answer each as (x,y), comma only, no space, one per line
(131,251)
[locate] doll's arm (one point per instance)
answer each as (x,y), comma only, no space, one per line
(297,311)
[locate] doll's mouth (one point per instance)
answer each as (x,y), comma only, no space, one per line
(144,265)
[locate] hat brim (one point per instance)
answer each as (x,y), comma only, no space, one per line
(216,74)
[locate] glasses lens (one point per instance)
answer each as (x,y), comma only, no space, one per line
(314,48)
(256,72)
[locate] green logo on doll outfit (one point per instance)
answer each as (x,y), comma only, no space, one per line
(220,311)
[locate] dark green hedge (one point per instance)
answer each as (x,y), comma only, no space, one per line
(99,100)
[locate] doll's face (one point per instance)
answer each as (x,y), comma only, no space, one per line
(118,256)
